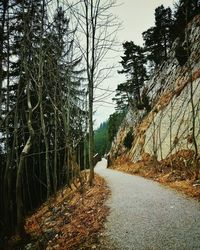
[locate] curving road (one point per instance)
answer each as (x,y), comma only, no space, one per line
(147,216)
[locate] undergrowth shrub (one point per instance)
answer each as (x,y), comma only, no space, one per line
(128,139)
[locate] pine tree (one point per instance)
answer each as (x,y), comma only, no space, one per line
(114,122)
(184,8)
(41,108)
(133,63)
(157,39)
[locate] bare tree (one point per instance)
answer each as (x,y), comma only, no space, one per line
(98,27)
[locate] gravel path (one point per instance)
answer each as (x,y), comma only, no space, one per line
(145,215)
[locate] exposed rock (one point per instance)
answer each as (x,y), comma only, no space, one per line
(167,128)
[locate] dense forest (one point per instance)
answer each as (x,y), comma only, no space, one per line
(41,88)
(105,134)
(48,76)
(47,81)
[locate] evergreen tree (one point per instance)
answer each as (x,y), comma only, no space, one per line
(114,122)
(157,39)
(185,10)
(122,97)
(102,145)
(42,100)
(133,63)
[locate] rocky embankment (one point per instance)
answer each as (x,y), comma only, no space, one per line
(163,137)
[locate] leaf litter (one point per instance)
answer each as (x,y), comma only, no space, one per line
(72,219)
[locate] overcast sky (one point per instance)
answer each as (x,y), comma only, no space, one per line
(136,16)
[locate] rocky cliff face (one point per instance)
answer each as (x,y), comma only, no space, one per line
(167,128)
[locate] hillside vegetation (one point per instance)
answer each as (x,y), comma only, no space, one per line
(106,132)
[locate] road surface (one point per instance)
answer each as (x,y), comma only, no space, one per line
(147,216)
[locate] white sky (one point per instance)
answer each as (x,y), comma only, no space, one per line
(137,16)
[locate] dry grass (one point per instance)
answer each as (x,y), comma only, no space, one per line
(71,220)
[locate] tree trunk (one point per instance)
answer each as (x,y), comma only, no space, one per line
(91,137)
(46,150)
(55,146)
(19,193)
(5,5)
(8,208)
(20,168)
